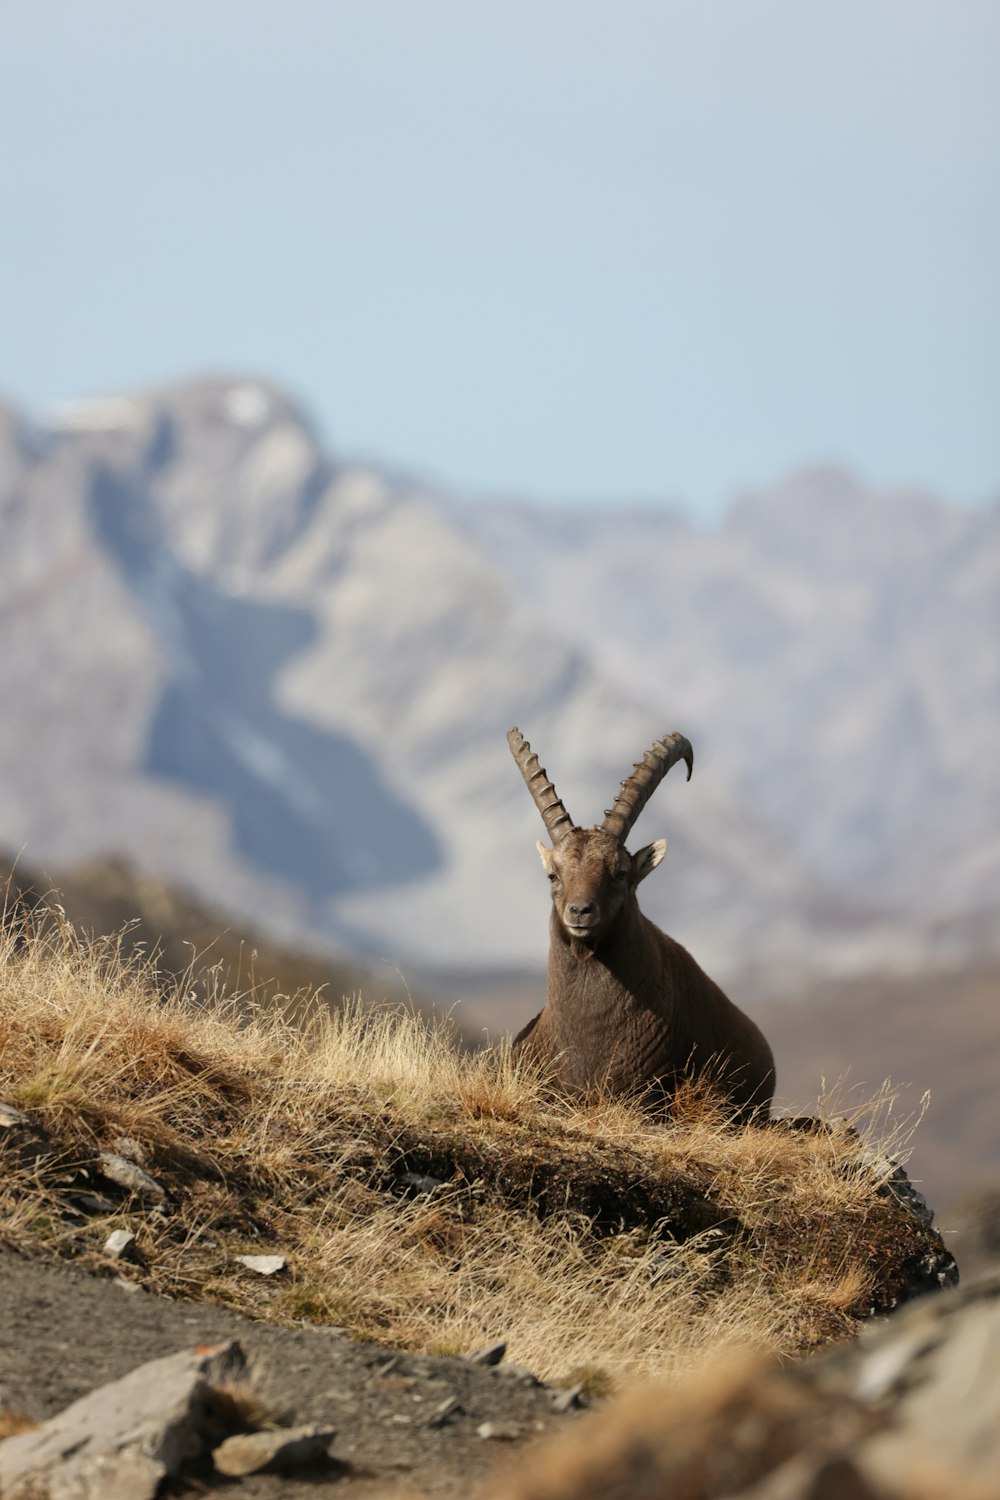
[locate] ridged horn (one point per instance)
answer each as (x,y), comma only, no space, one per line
(645,778)
(555,817)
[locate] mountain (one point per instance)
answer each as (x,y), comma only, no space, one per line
(836,655)
(284,683)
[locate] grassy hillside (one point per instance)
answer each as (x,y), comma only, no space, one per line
(202,946)
(422,1196)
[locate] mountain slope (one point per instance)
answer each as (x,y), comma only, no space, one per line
(835,651)
(285,684)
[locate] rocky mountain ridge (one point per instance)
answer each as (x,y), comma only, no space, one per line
(835,649)
(285,683)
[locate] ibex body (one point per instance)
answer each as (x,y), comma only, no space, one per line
(628,1010)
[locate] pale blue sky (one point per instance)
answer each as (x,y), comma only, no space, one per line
(547,247)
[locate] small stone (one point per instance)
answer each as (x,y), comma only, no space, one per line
(127,1146)
(568,1399)
(93,1203)
(273,1452)
(264,1265)
(126,1174)
(491,1355)
(121,1245)
(20,1136)
(520,1373)
(420,1182)
(497,1431)
(448,1408)
(11,1118)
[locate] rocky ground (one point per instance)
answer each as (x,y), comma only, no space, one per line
(64,1333)
(908,1410)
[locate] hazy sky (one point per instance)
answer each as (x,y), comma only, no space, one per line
(550,247)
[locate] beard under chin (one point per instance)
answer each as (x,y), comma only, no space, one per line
(580,947)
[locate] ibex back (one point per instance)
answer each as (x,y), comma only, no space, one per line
(628,1010)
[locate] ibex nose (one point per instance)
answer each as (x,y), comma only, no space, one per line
(587,910)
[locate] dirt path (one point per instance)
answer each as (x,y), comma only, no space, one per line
(64,1332)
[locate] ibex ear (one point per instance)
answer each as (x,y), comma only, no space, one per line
(647,859)
(546,856)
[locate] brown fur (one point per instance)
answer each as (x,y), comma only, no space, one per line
(628,1010)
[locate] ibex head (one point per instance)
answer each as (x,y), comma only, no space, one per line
(593,876)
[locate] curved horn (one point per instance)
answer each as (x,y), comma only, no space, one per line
(645,778)
(557,820)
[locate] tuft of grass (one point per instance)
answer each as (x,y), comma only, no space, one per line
(423,1196)
(591,1379)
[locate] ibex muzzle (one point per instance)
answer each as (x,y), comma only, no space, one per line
(628,1009)
(592,875)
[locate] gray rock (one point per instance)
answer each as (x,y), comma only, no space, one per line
(121,1245)
(448,1408)
(520,1373)
(93,1203)
(263,1265)
(899,1186)
(491,1355)
(420,1182)
(937,1367)
(566,1400)
(11,1118)
(20,1137)
(127,1174)
(502,1432)
(129,1147)
(274,1452)
(121,1440)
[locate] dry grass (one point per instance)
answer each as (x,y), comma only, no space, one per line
(593,1239)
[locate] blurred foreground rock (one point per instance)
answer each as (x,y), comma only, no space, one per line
(911,1409)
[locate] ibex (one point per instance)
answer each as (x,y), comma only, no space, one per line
(628,1010)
